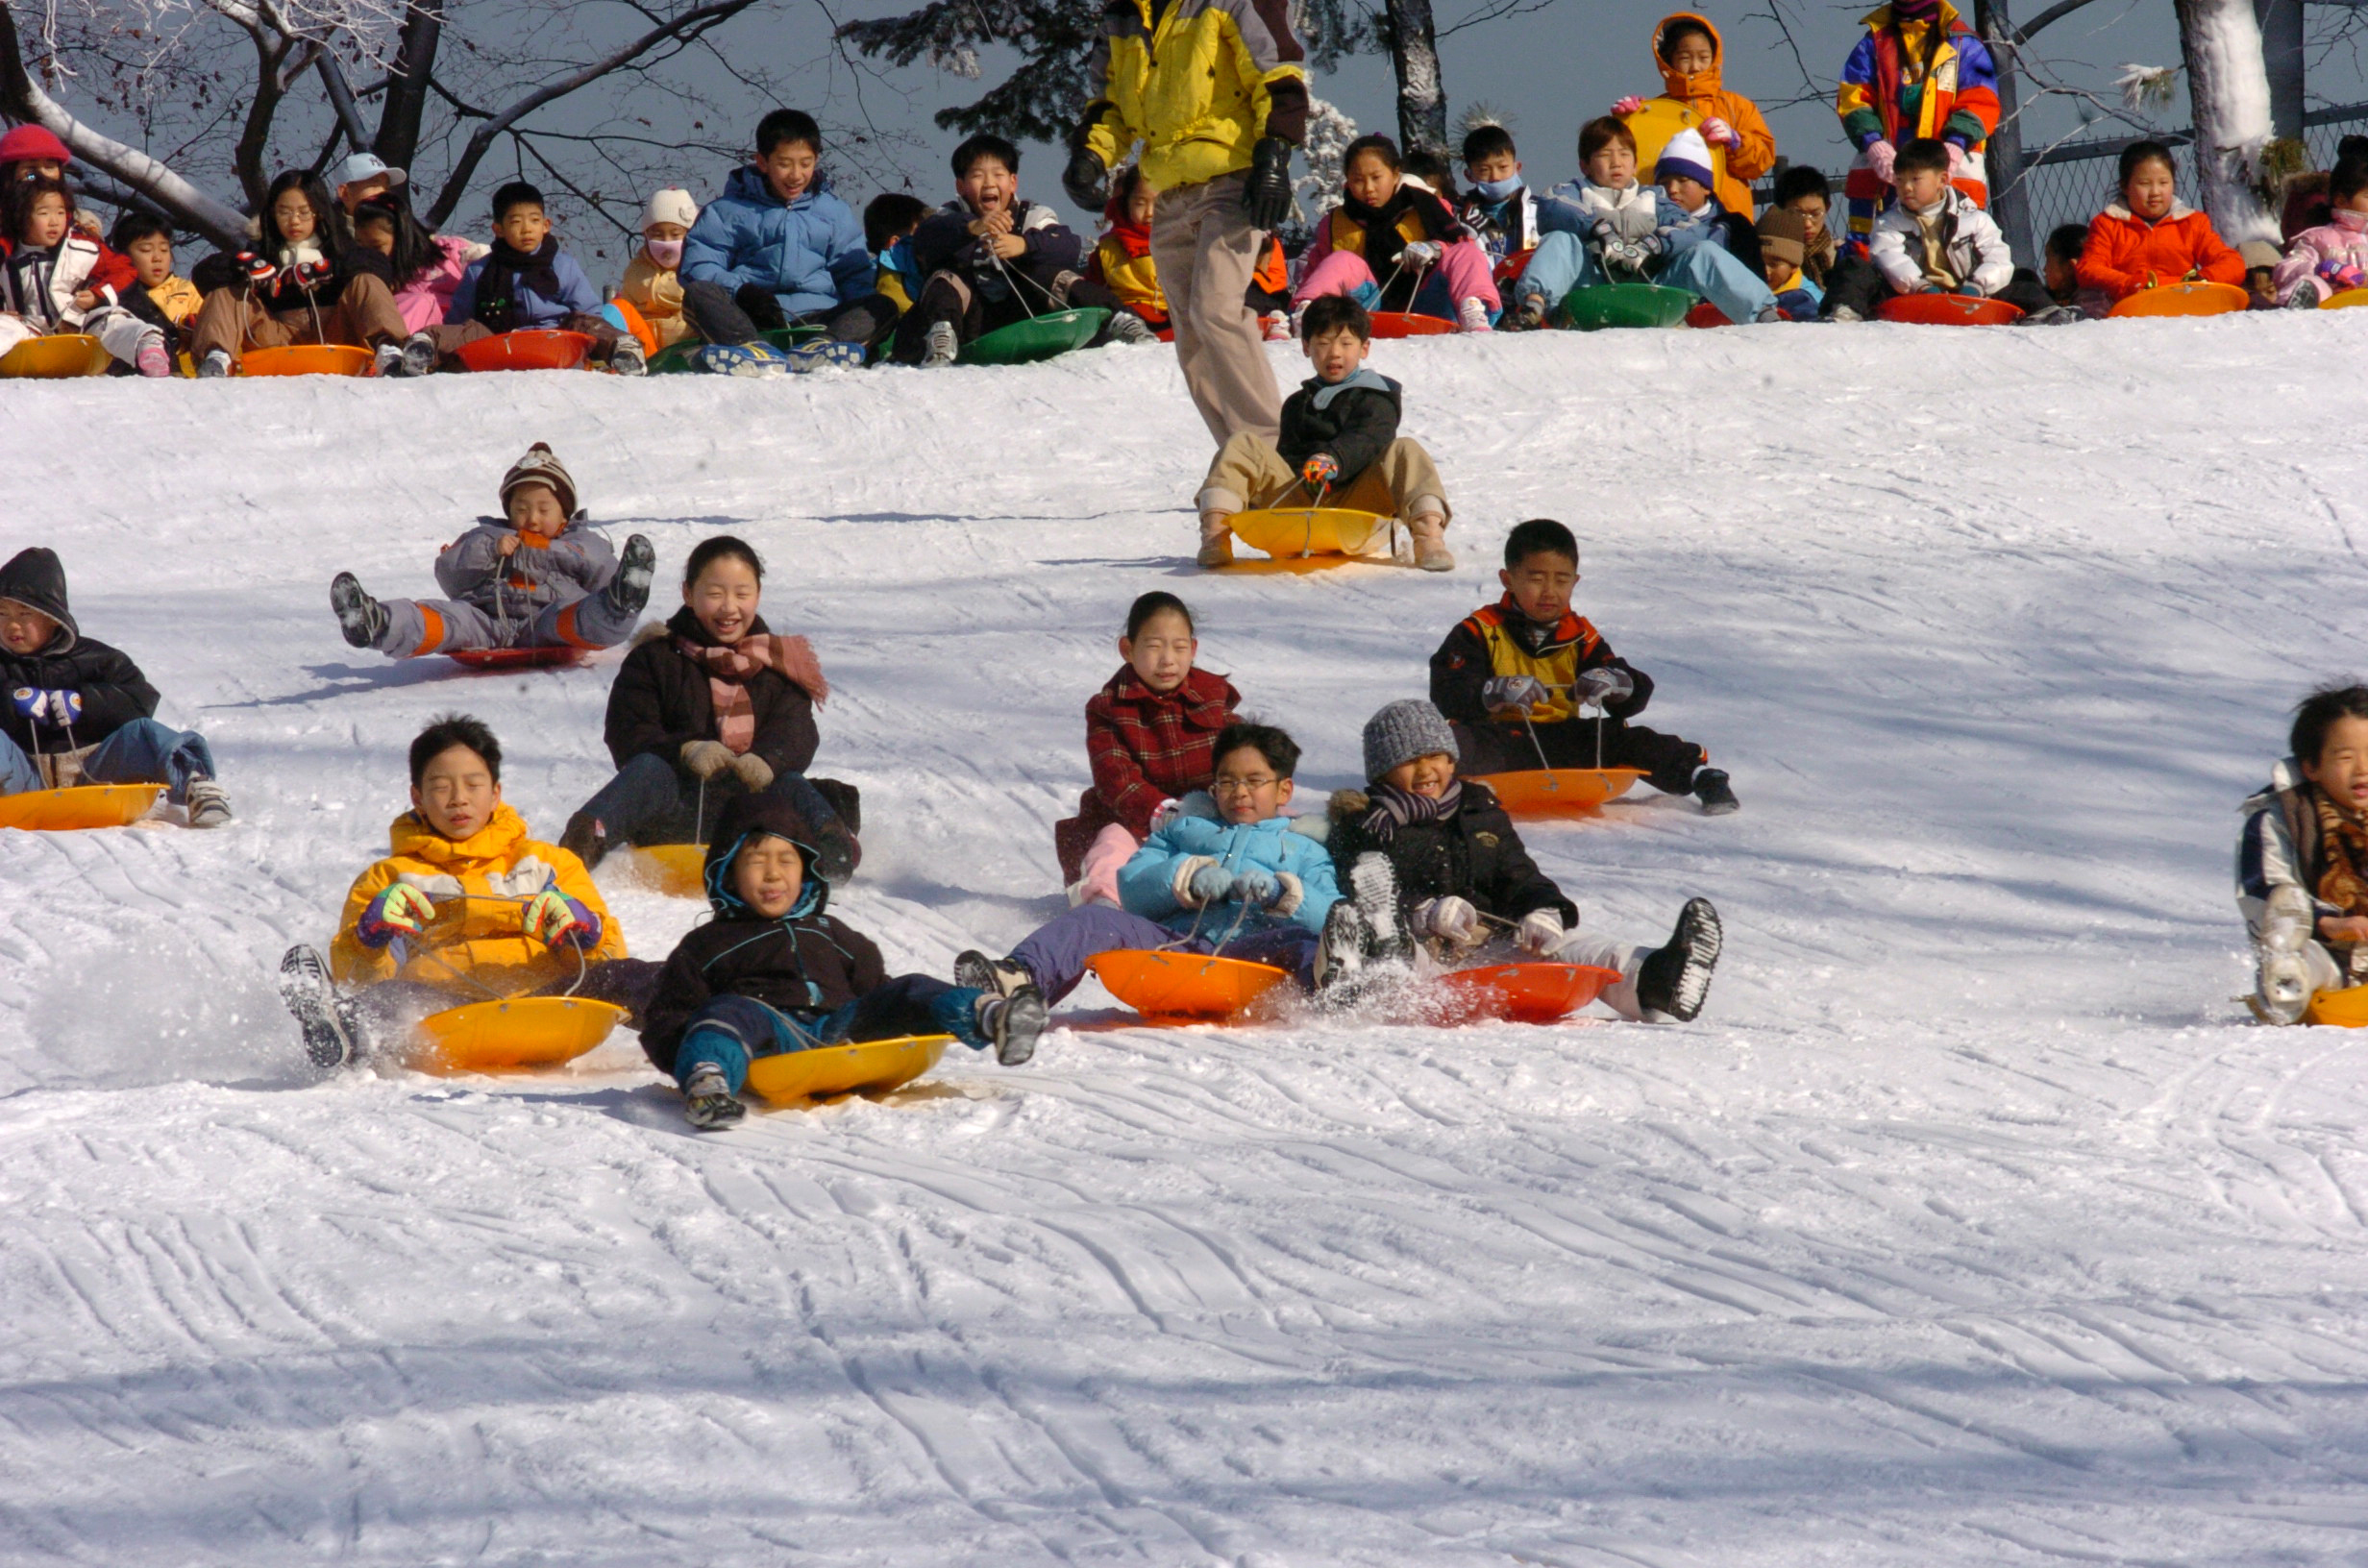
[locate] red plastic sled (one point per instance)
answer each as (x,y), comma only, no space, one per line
(1167,984)
(1563,792)
(2197,299)
(1948,310)
(1407,324)
(1707,314)
(516,658)
(530,349)
(1520,993)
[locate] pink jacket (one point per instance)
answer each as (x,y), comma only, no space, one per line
(423,300)
(2342,242)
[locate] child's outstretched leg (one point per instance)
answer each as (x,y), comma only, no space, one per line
(146,752)
(331,1036)
(1343,271)
(130,341)
(1468,285)
(604,618)
(1247,471)
(1053,957)
(1656,985)
(410,628)
(979,1016)
(2291,964)
(1404,482)
(1561,263)
(1712,270)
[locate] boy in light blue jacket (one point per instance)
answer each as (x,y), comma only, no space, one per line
(779,249)
(1241,883)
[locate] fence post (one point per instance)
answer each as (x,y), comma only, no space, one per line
(2009,201)
(2281,52)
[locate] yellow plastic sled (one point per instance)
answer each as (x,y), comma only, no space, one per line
(1166,984)
(62,357)
(522,1032)
(679,870)
(1287,531)
(2346,1009)
(2349,299)
(1563,792)
(873,1067)
(87,805)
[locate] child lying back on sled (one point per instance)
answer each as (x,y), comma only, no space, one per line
(542,578)
(1434,861)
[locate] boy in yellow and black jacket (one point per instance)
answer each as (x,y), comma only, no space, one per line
(1513,677)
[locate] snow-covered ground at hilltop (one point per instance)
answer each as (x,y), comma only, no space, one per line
(1972,1225)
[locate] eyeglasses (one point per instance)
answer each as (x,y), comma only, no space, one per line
(1243,786)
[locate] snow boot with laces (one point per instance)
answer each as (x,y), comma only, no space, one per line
(1340,952)
(1011,1023)
(629,591)
(325,1017)
(975,971)
(1674,978)
(207,805)
(2281,983)
(361,618)
(708,1099)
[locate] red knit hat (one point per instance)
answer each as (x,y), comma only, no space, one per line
(33,144)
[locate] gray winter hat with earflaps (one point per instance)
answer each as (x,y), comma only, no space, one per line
(1403,732)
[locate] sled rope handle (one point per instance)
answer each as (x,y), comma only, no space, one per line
(582,963)
(1553,785)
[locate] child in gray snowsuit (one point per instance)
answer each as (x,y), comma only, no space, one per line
(542,578)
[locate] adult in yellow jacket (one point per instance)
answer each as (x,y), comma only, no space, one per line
(1214,94)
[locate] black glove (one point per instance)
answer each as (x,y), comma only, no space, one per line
(1267,194)
(1087,180)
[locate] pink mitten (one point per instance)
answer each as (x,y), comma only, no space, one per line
(1628,105)
(1719,133)
(1880,156)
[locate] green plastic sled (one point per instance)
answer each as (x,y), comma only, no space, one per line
(1624,305)
(674,359)
(1040,337)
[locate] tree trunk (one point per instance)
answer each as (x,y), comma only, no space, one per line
(1422,103)
(2228,87)
(2282,52)
(407,82)
(2009,203)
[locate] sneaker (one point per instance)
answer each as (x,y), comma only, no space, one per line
(2281,985)
(419,356)
(1430,543)
(1216,541)
(153,360)
(361,618)
(1341,951)
(1675,978)
(318,1010)
(1770,316)
(1013,1022)
(1526,316)
(216,365)
(627,359)
(2306,297)
(1472,316)
(823,354)
(1277,326)
(390,361)
(1372,882)
(708,1099)
(940,347)
(630,589)
(975,971)
(2055,315)
(757,361)
(586,839)
(1842,312)
(1125,327)
(1717,794)
(208,806)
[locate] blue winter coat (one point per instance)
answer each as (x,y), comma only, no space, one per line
(808,254)
(577,296)
(1148,882)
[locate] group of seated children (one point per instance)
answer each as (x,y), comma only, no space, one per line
(1123,263)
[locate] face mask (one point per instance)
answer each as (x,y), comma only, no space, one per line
(1496,191)
(666,252)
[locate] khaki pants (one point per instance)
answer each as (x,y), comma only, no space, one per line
(363,316)
(1207,252)
(1250,474)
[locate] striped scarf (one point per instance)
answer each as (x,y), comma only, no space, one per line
(731,666)
(1394,808)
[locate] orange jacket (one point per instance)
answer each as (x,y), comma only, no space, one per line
(2126,252)
(1702,93)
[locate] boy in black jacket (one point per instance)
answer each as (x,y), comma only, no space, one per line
(1338,445)
(78,711)
(1512,676)
(1437,859)
(772,973)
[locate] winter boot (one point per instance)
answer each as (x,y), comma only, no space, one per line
(2304,297)
(628,358)
(1430,542)
(1125,327)
(216,365)
(1472,316)
(630,589)
(1216,541)
(708,1101)
(757,360)
(361,618)
(1527,315)
(824,353)
(208,806)
(2281,985)
(155,360)
(1341,951)
(320,1012)
(419,356)
(388,360)
(975,971)
(1013,1022)
(586,839)
(941,346)
(844,800)
(1717,794)
(1372,882)
(1673,979)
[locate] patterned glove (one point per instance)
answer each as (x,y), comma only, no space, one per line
(753,770)
(260,272)
(551,918)
(1504,693)
(1256,885)
(57,708)
(1604,685)
(2344,274)
(1207,883)
(400,910)
(1449,920)
(1541,931)
(1628,105)
(1420,253)
(1319,471)
(312,275)
(1719,133)
(705,758)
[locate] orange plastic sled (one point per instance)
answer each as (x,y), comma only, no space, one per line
(307,360)
(63,358)
(537,348)
(522,1032)
(1562,792)
(2346,1009)
(1166,984)
(873,1067)
(87,805)
(1948,310)
(2196,299)
(679,870)
(1286,533)
(1407,324)
(516,658)
(1520,992)
(2349,299)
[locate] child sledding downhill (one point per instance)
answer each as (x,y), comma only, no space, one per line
(1150,739)
(542,578)
(1338,447)
(1513,677)
(1434,861)
(466,907)
(77,711)
(773,970)
(2302,860)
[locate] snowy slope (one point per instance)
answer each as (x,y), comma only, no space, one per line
(1970,1226)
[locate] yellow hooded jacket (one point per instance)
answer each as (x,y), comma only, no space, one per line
(480,887)
(1197,87)
(1705,94)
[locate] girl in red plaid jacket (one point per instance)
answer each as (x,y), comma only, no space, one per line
(1151,735)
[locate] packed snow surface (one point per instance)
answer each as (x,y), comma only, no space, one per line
(1973,1223)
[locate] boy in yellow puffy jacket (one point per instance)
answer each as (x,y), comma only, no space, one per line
(467,907)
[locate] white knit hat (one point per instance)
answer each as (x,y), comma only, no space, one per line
(672,204)
(1687,153)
